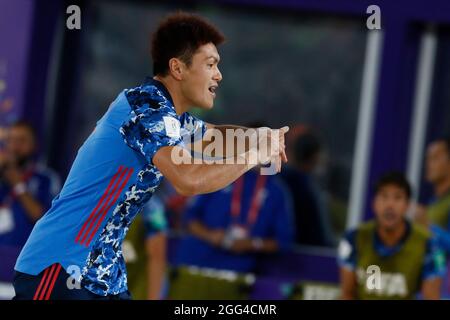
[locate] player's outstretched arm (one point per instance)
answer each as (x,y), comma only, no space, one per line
(190,179)
(240,133)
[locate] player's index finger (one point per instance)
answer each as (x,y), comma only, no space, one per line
(284,129)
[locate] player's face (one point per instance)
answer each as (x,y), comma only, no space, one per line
(202,77)
(437,162)
(20,143)
(390,206)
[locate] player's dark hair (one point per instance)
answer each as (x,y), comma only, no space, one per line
(394,178)
(25,124)
(179,35)
(446,141)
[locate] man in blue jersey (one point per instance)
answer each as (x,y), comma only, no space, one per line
(27,187)
(122,162)
(229,232)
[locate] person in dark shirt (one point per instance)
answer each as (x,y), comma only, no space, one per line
(312,225)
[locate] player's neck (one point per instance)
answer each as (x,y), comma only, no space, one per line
(442,188)
(392,237)
(180,104)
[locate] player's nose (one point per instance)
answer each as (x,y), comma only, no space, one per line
(218,76)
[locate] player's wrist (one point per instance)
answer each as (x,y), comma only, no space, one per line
(248,158)
(256,244)
(19,189)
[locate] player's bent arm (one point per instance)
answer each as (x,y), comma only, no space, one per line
(223,129)
(263,245)
(267,246)
(199,230)
(431,288)
(190,179)
(241,143)
(348,284)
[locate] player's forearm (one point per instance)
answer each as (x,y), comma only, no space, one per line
(156,265)
(156,270)
(267,246)
(190,178)
(206,178)
(259,245)
(199,230)
(237,145)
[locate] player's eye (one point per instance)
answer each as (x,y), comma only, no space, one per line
(210,65)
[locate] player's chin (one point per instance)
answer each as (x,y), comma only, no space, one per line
(390,224)
(207,105)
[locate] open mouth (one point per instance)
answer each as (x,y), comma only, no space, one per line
(213,89)
(389,215)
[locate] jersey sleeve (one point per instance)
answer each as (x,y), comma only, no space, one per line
(152,124)
(347,254)
(434,264)
(441,237)
(154,215)
(194,127)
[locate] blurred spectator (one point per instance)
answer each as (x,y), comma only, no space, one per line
(312,221)
(436,214)
(174,206)
(144,250)
(26,187)
(390,257)
(228,229)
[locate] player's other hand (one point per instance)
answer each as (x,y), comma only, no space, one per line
(271,146)
(282,134)
(215,237)
(278,147)
(240,246)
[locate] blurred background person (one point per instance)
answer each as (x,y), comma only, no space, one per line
(312,222)
(27,187)
(144,250)
(409,259)
(436,213)
(227,232)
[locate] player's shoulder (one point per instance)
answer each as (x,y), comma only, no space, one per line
(346,250)
(421,232)
(366,227)
(150,95)
(188,120)
(350,235)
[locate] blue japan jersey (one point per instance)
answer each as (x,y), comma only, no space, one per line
(110,181)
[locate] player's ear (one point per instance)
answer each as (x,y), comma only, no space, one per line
(176,67)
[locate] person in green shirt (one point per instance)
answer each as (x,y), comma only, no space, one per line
(390,257)
(436,214)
